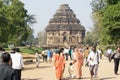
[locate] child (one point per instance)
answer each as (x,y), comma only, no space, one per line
(71,70)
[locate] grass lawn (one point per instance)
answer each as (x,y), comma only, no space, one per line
(27,50)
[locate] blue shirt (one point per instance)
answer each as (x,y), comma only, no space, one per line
(48,53)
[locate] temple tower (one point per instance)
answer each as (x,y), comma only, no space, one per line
(64,28)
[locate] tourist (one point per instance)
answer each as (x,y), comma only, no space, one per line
(78,61)
(93,59)
(59,64)
(1,51)
(44,55)
(66,52)
(6,71)
(71,70)
(116,57)
(17,62)
(86,53)
(100,52)
(70,53)
(48,56)
(109,53)
(37,58)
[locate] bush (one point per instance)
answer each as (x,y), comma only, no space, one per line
(4,45)
(31,50)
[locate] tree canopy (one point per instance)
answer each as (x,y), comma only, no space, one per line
(14,22)
(106,17)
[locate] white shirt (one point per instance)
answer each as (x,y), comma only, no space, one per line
(99,51)
(93,58)
(17,60)
(109,51)
(66,51)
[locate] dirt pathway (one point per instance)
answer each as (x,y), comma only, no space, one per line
(46,72)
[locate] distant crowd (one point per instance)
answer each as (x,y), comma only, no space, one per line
(11,64)
(89,56)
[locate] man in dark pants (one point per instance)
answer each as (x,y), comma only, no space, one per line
(6,71)
(116,60)
(17,62)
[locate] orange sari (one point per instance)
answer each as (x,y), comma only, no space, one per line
(79,63)
(59,65)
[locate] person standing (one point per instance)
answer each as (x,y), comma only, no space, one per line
(70,53)
(6,71)
(59,64)
(93,59)
(37,58)
(116,57)
(86,53)
(17,62)
(66,52)
(109,53)
(78,61)
(100,52)
(1,51)
(48,55)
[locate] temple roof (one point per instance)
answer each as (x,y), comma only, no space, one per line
(64,19)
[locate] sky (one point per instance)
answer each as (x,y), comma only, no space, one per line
(45,9)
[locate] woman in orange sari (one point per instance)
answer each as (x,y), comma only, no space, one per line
(59,64)
(78,60)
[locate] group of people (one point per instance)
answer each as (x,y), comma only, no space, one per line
(77,60)
(92,59)
(11,64)
(115,55)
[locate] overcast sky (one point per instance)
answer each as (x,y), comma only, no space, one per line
(45,9)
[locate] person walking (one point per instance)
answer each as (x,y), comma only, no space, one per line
(70,53)
(37,58)
(59,64)
(86,53)
(109,53)
(17,62)
(116,57)
(78,61)
(66,52)
(1,52)
(49,56)
(6,71)
(93,59)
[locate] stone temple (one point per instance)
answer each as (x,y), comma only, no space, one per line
(64,28)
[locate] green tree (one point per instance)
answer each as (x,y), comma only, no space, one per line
(97,6)
(111,22)
(106,19)
(18,22)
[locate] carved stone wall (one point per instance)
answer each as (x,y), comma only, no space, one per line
(64,28)
(56,38)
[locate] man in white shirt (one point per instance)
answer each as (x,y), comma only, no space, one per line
(66,52)
(93,59)
(17,62)
(109,53)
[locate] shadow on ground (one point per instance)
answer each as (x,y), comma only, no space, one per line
(107,78)
(44,66)
(28,68)
(32,79)
(83,78)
